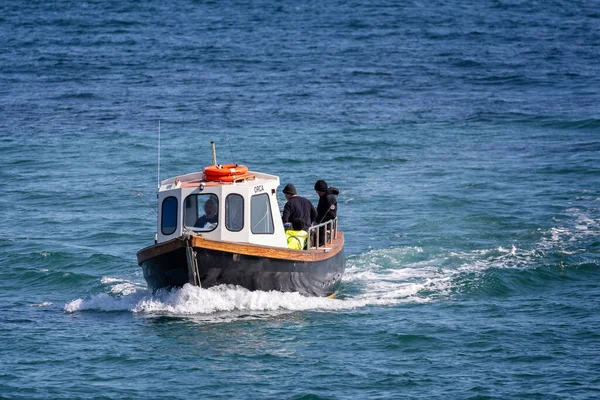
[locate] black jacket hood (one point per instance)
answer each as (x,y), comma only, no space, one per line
(332,190)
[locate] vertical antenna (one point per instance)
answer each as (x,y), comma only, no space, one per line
(214,153)
(158,172)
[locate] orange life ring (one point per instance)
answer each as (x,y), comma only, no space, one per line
(229,178)
(225,169)
(224,173)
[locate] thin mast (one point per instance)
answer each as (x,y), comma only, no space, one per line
(214,153)
(158,172)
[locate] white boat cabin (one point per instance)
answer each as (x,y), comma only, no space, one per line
(242,211)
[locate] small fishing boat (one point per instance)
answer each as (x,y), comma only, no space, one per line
(223,226)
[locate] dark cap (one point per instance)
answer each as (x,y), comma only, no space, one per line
(321,186)
(289,189)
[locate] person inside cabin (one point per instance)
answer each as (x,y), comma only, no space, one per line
(297,207)
(327,207)
(210,218)
(296,236)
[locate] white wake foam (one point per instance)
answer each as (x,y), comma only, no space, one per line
(579,228)
(375,278)
(193,300)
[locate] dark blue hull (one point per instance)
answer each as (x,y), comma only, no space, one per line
(209,268)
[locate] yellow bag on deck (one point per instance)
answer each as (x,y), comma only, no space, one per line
(296,240)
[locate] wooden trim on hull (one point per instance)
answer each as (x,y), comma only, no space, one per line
(320,254)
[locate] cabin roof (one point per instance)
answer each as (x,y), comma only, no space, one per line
(195,179)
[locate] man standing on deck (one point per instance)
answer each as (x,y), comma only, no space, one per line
(327,207)
(297,207)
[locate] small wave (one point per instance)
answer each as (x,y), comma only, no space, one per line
(502,79)
(578,229)
(77,96)
(108,280)
(544,121)
(371,73)
(466,63)
(382,161)
(365,92)
(590,123)
(42,305)
(45,277)
(396,275)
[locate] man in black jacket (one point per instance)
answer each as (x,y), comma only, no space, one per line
(327,207)
(297,207)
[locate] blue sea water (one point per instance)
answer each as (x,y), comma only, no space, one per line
(464,137)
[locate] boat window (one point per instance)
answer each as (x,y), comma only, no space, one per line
(168,222)
(201,212)
(234,212)
(261,218)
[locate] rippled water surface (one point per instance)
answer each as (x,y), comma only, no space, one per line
(465,140)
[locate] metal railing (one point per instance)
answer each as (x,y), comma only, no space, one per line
(329,229)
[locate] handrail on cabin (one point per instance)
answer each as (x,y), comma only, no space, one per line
(331,227)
